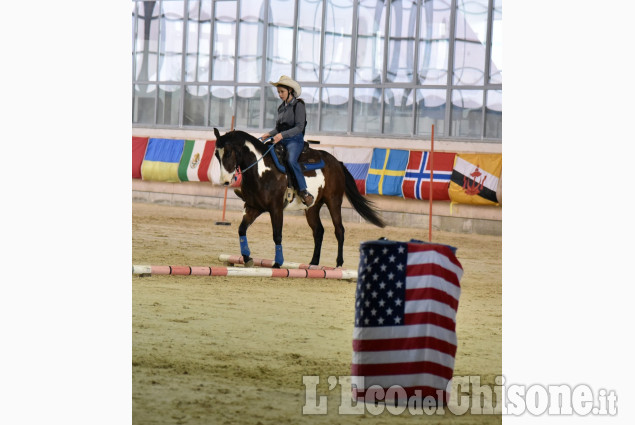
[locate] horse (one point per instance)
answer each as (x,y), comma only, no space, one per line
(264,189)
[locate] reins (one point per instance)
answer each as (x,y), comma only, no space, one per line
(263,155)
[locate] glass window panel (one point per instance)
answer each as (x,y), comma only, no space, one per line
(171,42)
(467,110)
(169,107)
(251,32)
(371,25)
(134,37)
(222,107)
(248,107)
(431,111)
(147,41)
(310,95)
(469,47)
(496,63)
(398,111)
(280,39)
(133,32)
(272,101)
(224,40)
(309,39)
(401,43)
(367,110)
(334,109)
(199,26)
(143,103)
(434,36)
(494,114)
(195,105)
(338,30)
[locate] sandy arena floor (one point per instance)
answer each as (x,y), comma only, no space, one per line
(218,350)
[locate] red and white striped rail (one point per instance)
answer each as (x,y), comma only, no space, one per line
(243,272)
(259,262)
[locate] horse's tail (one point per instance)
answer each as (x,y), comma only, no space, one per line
(363,206)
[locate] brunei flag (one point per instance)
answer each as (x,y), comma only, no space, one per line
(475,178)
(386,173)
(161,162)
(196,160)
(139,145)
(357,161)
(416,182)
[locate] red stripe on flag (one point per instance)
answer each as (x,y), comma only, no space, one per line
(361,186)
(441,249)
(409,189)
(208,154)
(407,368)
(404,344)
(428,318)
(139,145)
(431,294)
(432,269)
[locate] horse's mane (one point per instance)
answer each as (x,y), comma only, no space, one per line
(240,137)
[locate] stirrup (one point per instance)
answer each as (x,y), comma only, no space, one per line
(289,195)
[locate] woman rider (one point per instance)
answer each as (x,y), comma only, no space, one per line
(289,129)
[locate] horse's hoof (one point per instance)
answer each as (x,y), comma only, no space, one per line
(275,266)
(249,262)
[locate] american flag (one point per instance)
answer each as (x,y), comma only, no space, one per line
(405,317)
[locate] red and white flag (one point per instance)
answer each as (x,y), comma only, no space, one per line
(405,320)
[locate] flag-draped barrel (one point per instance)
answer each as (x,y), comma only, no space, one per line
(387,169)
(416,182)
(405,320)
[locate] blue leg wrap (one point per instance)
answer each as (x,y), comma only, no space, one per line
(279,257)
(244,247)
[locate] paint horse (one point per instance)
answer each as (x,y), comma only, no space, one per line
(264,188)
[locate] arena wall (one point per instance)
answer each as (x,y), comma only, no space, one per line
(446,216)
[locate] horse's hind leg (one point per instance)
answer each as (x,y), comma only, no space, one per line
(276,225)
(335,208)
(313,218)
(250,215)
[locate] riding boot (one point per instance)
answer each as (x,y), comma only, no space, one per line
(307,198)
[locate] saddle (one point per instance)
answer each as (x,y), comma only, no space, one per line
(309,160)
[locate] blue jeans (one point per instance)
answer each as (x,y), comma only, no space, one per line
(294,147)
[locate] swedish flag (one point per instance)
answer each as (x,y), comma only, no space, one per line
(386,173)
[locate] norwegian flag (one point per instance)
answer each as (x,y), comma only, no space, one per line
(405,319)
(416,183)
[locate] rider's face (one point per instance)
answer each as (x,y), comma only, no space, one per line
(283,93)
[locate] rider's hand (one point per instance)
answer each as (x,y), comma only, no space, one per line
(277,138)
(265,136)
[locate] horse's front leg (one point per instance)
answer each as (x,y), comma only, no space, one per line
(276,224)
(249,217)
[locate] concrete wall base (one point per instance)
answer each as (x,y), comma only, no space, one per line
(456,218)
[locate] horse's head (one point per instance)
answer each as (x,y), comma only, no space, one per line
(228,152)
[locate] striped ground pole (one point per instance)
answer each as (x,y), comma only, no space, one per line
(144,270)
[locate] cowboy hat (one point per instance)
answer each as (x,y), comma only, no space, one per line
(287,81)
